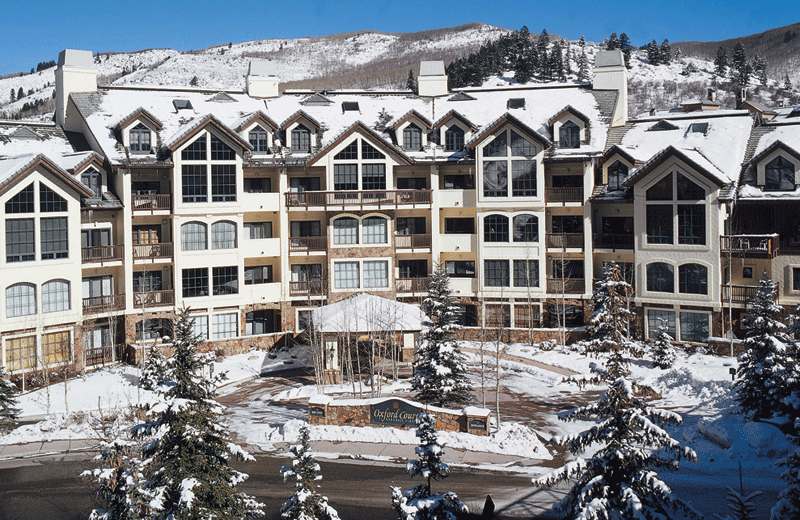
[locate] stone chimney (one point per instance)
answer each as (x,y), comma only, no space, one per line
(432,80)
(75,73)
(610,73)
(262,79)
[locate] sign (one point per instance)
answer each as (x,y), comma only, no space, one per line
(477,424)
(394,412)
(316,411)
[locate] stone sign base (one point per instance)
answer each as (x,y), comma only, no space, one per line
(395,412)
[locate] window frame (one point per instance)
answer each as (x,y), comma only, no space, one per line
(140,139)
(659,275)
(301,139)
(56,296)
(496,228)
(194,282)
(19,303)
(569,135)
(693,279)
(225,280)
(259,139)
(454,138)
(221,238)
(496,273)
(191,236)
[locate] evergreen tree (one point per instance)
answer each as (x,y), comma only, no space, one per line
(154,371)
(440,375)
(542,48)
(721,62)
(419,503)
(613,42)
(557,64)
(306,503)
(653,53)
(760,69)
(626,48)
(787,83)
(760,390)
(14,95)
(666,52)
(583,66)
(20,93)
(195,81)
(187,471)
(9,413)
(582,42)
(411,82)
(609,322)
(788,505)
(741,68)
(661,348)
(118,482)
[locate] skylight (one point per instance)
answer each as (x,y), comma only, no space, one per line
(350,106)
(24,131)
(662,125)
(462,96)
(222,96)
(182,104)
(698,128)
(516,103)
(795,112)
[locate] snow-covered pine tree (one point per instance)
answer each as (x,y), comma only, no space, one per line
(411,82)
(118,482)
(419,503)
(440,374)
(154,371)
(661,349)
(582,42)
(9,413)
(187,472)
(721,62)
(609,322)
(583,66)
(759,385)
(740,505)
(626,48)
(653,53)
(787,83)
(760,69)
(612,43)
(306,503)
(740,67)
(788,505)
(666,52)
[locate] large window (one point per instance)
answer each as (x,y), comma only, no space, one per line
(20,240)
(195,151)
(20,353)
(567,224)
(526,273)
(373,177)
(346,275)
(459,226)
(345,231)
(411,226)
(194,182)
(223,182)
(54,238)
(22,202)
(779,175)
(304,228)
(495,228)
(225,325)
(693,279)
(147,281)
(374,230)
(661,216)
(257,274)
(139,137)
(345,177)
(656,318)
(221,151)
(660,277)
(306,272)
(523,178)
(55,296)
(50,201)
(20,300)
(526,228)
(691,224)
(259,139)
(569,135)
(258,230)
(496,273)
(376,274)
(200,326)
(57,347)
(223,235)
(225,280)
(261,322)
(659,224)
(454,139)
(194,236)
(301,184)
(412,137)
(460,268)
(495,179)
(301,139)
(195,282)
(412,268)
(694,327)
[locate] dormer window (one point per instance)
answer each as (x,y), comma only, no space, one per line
(92,179)
(698,128)
(454,139)
(616,174)
(412,137)
(779,175)
(259,139)
(140,139)
(569,135)
(301,139)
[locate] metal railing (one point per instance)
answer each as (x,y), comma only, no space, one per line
(564,240)
(151,251)
(151,202)
(760,245)
(379,198)
(154,298)
(101,254)
(566,286)
(613,241)
(100,304)
(411,285)
(412,241)
(307,244)
(563,194)
(308,288)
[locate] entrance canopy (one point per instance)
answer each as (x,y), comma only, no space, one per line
(364,312)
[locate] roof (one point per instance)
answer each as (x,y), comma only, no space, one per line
(503,120)
(364,312)
(262,68)
(694,159)
(190,129)
(359,127)
(431,68)
(15,167)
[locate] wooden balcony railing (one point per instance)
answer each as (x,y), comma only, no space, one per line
(307,244)
(565,240)
(613,241)
(750,245)
(566,286)
(101,304)
(563,194)
(101,254)
(104,355)
(152,251)
(154,298)
(151,202)
(738,293)
(412,241)
(308,288)
(379,198)
(411,285)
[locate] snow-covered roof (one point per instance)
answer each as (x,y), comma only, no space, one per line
(12,167)
(788,134)
(365,312)
(47,139)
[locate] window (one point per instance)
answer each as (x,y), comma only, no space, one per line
(691,224)
(373,230)
(22,202)
(468,315)
(153,328)
(55,296)
(301,139)
(568,269)
(346,275)
(660,277)
(459,182)
(304,228)
(523,169)
(195,282)
(194,183)
(617,173)
(688,190)
(57,347)
(795,278)
(96,238)
(412,137)
(194,236)
(257,185)
(567,224)
(301,184)
(498,147)
(699,128)
(225,326)
(139,138)
(495,179)
(93,180)
(779,175)
(376,274)
(50,201)
(200,326)
(459,226)
(693,279)
(20,353)
(526,228)
(659,224)
(257,274)
(345,231)
(306,272)
(259,139)
(497,315)
(20,240)
(569,135)
(411,183)
(20,300)
(147,281)
(662,190)
(54,238)
(747,272)
(223,183)
(495,228)
(96,287)
(258,230)
(225,280)
(223,235)
(348,153)
(694,327)
(261,322)
(345,177)
(413,268)
(523,178)
(656,318)
(411,226)
(521,147)
(495,273)
(373,177)
(370,152)
(454,139)
(460,268)
(195,151)
(526,273)
(221,151)
(146,234)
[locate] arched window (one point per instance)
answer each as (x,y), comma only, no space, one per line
(223,235)
(345,231)
(693,279)
(526,228)
(301,139)
(194,236)
(495,228)
(20,300)
(779,175)
(412,137)
(616,174)
(454,139)
(140,139)
(373,229)
(660,277)
(259,139)
(55,296)
(569,135)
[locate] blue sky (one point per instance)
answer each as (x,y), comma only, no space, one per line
(39,30)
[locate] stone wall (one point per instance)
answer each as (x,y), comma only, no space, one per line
(224,347)
(520,335)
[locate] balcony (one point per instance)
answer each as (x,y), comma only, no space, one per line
(101,304)
(308,245)
(564,240)
(151,203)
(613,241)
(152,251)
(562,195)
(101,254)
(412,241)
(104,355)
(565,286)
(380,199)
(752,246)
(308,288)
(154,299)
(411,285)
(738,293)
